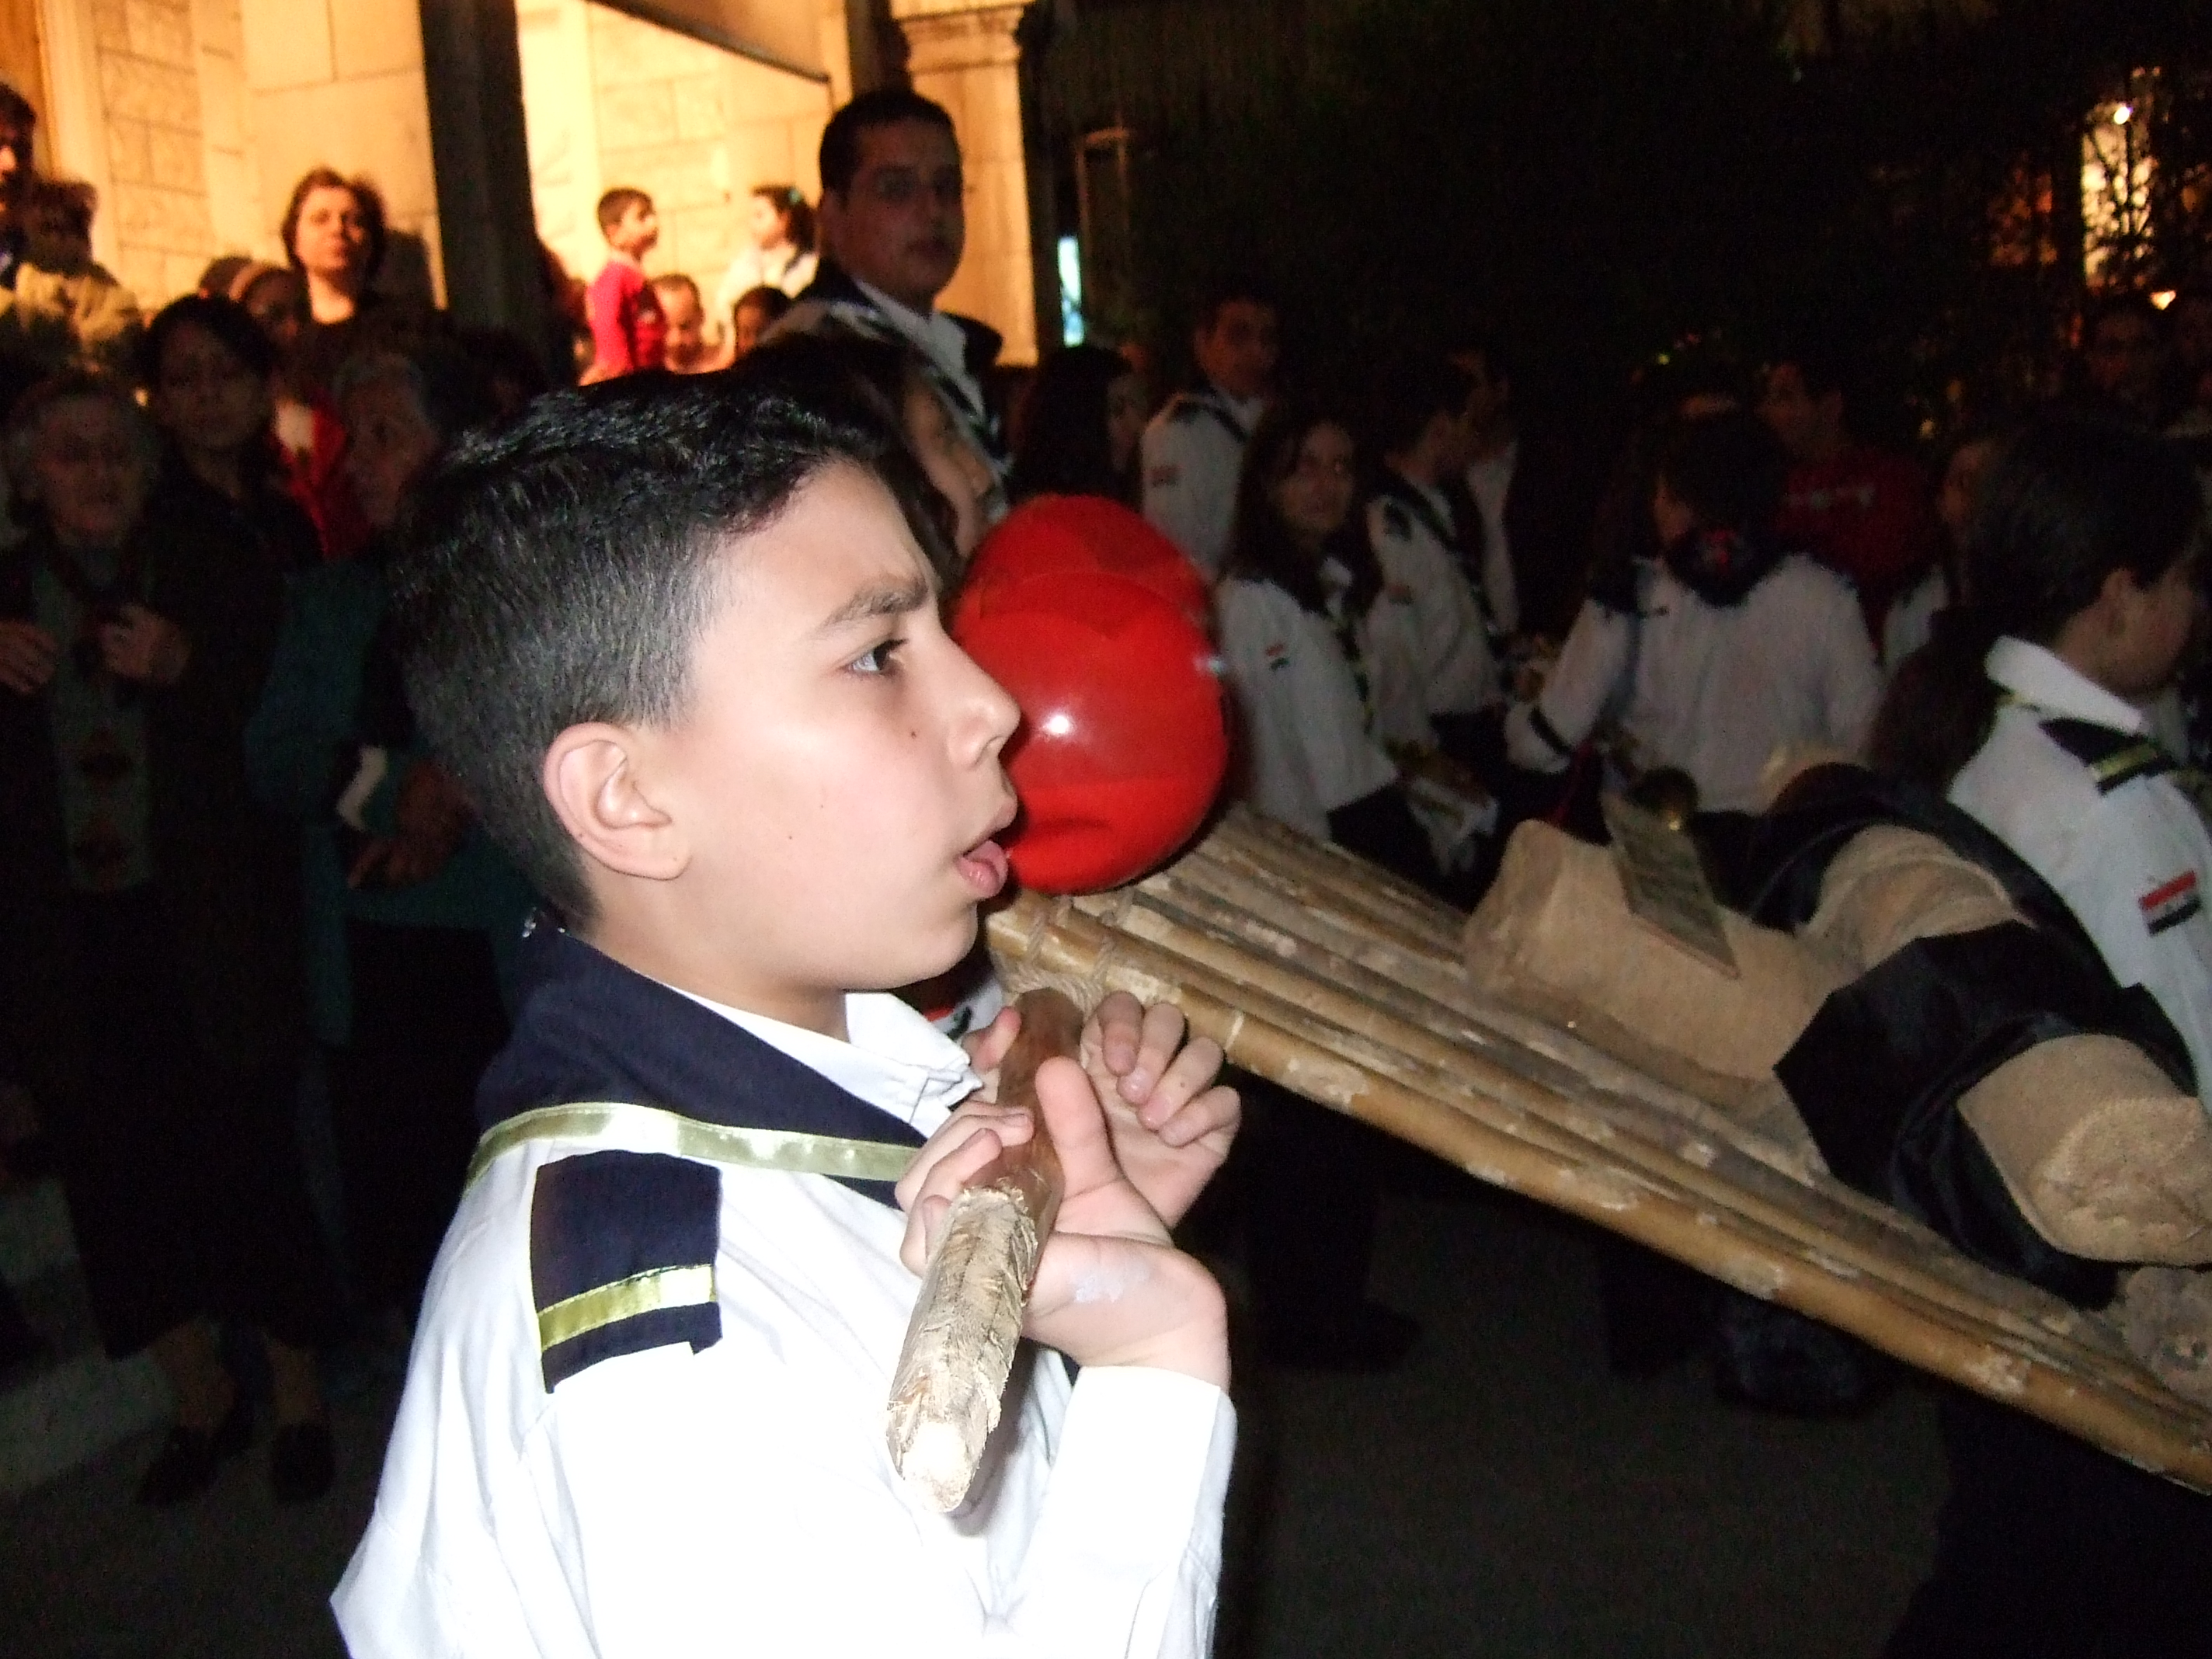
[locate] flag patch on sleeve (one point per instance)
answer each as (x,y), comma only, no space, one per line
(1278,655)
(2171,902)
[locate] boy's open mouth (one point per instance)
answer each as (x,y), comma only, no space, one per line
(983,865)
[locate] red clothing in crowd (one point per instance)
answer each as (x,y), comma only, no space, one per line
(627,326)
(1868,514)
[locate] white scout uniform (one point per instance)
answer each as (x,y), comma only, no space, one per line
(1410,528)
(784,267)
(1310,746)
(2071,781)
(1912,619)
(1193,450)
(1490,482)
(738,1499)
(1714,689)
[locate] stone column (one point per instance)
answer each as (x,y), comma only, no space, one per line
(964,56)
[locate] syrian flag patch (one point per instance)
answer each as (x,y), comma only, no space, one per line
(2171,902)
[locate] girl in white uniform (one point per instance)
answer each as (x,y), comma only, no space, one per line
(1726,651)
(1316,654)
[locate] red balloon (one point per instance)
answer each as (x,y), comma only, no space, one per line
(1123,739)
(1084,532)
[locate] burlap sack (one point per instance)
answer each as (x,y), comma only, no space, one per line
(1554,935)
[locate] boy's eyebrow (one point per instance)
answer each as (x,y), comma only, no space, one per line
(882,600)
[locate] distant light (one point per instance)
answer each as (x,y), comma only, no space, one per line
(2163,298)
(1058,725)
(2123,113)
(1071,291)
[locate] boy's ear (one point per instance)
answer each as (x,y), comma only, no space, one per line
(591,778)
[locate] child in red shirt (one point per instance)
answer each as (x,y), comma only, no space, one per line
(628,329)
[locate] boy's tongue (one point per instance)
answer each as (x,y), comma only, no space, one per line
(984,864)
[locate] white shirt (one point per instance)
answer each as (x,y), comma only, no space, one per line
(1911,619)
(783,267)
(740,1498)
(1490,480)
(1308,746)
(1459,671)
(1714,689)
(2131,861)
(1193,450)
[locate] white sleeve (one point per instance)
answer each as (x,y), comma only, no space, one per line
(1178,495)
(1590,665)
(1851,690)
(1389,643)
(2127,864)
(697,1522)
(1277,776)
(1498,589)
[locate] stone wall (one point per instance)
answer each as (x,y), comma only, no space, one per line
(157,200)
(614,100)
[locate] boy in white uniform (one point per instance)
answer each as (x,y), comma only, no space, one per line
(1193,449)
(681,643)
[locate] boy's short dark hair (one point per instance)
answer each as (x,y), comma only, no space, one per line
(617,202)
(1236,288)
(561,570)
(17,114)
(1822,361)
(886,106)
(1411,393)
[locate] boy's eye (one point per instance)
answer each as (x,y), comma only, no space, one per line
(878,660)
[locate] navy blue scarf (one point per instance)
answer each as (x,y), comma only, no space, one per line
(591,1029)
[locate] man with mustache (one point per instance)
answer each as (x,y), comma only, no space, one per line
(893,224)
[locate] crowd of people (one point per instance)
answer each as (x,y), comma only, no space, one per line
(235,860)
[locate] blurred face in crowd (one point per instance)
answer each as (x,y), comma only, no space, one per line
(1125,413)
(1671,516)
(962,476)
(748,323)
(903,224)
(389,441)
(2125,360)
(769,224)
(15,165)
(686,321)
(1315,496)
(2150,627)
(1239,351)
(1962,483)
(331,238)
(89,471)
(637,233)
(277,300)
(205,398)
(1488,399)
(1811,429)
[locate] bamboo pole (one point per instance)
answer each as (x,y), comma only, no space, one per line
(2025,1362)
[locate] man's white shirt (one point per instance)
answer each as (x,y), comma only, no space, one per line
(1459,671)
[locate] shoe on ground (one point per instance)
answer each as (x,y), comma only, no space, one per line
(302,1463)
(186,1465)
(1367,1338)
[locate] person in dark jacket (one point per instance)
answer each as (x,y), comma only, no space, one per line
(150,932)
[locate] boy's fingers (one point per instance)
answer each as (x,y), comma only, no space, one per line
(955,1146)
(1218,1110)
(986,1049)
(1190,1074)
(1118,1021)
(1163,1035)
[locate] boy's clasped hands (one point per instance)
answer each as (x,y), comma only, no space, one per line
(1141,1126)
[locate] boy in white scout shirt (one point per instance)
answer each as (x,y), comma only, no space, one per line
(1193,449)
(1420,537)
(681,643)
